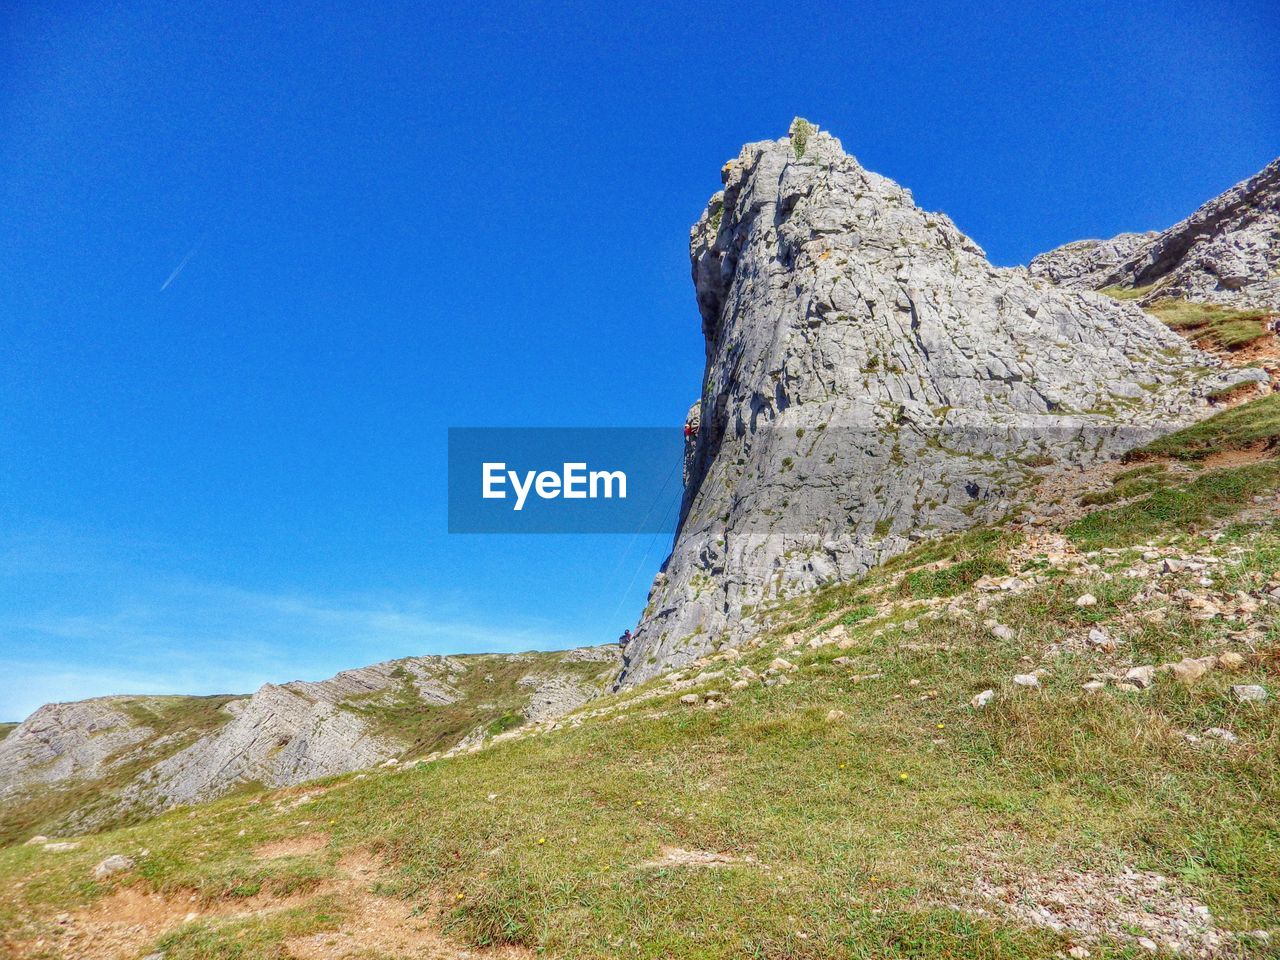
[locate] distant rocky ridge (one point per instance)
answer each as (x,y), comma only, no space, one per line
(81,765)
(1227,252)
(1082,263)
(871,379)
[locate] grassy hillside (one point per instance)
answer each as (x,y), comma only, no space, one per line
(830,791)
(6,729)
(495,693)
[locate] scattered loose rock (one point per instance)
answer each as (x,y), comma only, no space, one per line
(1231,661)
(1129,906)
(1244,692)
(116,863)
(1141,677)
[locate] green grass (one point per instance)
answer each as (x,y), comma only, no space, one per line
(1247,426)
(542,842)
(1209,497)
(949,581)
(857,615)
(1220,326)
(256,939)
(6,729)
(1206,498)
(1129,484)
(1127,293)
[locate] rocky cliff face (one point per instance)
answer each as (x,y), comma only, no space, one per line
(84,764)
(1227,252)
(870,379)
(62,741)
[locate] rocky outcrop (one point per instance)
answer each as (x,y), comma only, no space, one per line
(1227,252)
(1085,264)
(871,379)
(63,741)
(284,734)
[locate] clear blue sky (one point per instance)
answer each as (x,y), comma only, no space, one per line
(256,258)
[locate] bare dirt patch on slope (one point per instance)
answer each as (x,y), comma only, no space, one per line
(679,857)
(292,846)
(1239,458)
(381,925)
(125,924)
(121,926)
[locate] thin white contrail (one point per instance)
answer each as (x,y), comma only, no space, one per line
(178,269)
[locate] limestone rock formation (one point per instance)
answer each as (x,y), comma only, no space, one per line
(870,379)
(1084,264)
(1227,252)
(143,754)
(63,741)
(280,736)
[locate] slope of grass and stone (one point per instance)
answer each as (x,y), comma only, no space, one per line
(1026,741)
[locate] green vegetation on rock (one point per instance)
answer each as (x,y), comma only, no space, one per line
(1218,326)
(174,723)
(1250,425)
(490,697)
(1207,323)
(1117,292)
(801,130)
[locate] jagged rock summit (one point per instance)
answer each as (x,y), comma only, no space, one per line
(1227,252)
(871,379)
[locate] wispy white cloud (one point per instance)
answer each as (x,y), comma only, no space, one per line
(178,636)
